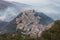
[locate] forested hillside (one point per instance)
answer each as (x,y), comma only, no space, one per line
(51,34)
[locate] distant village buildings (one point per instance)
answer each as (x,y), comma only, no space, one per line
(30,23)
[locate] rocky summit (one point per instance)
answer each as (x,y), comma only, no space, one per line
(33,23)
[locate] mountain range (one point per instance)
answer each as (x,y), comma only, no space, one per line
(11,26)
(9,11)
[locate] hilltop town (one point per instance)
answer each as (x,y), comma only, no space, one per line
(28,23)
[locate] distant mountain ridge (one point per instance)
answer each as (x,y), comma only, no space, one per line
(45,19)
(44,22)
(11,9)
(16,10)
(2,26)
(4,4)
(8,11)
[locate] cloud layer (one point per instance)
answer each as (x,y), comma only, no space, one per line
(47,6)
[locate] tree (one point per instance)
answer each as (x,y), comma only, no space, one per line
(53,33)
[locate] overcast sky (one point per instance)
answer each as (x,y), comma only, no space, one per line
(47,6)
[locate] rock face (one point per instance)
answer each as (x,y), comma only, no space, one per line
(28,23)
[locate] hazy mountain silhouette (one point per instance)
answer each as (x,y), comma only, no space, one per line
(13,10)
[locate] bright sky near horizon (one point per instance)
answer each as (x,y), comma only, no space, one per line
(30,1)
(47,6)
(50,7)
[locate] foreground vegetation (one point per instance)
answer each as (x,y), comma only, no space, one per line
(51,34)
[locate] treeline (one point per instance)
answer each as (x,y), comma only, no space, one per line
(51,34)
(15,36)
